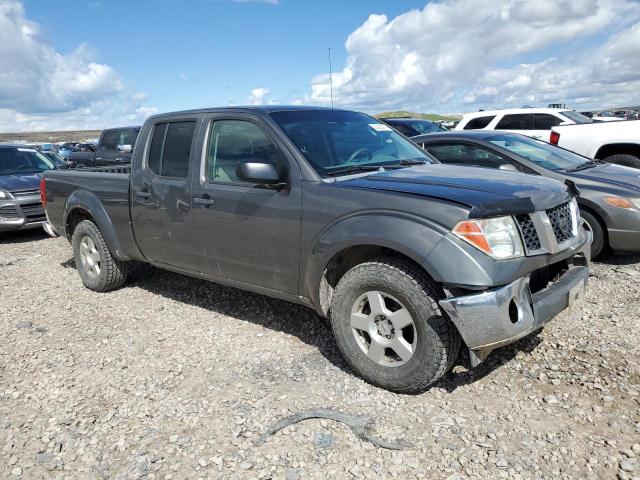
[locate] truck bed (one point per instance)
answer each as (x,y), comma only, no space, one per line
(102,190)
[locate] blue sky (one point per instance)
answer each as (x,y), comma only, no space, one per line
(98,63)
(223,48)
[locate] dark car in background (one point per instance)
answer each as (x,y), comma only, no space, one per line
(114,148)
(57,159)
(410,127)
(21,169)
(609,195)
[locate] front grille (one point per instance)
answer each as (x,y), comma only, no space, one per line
(561,222)
(529,233)
(33,211)
(26,193)
(9,212)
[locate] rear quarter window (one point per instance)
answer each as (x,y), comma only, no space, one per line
(479,122)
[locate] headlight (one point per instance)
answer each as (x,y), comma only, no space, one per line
(497,237)
(628,203)
(4,195)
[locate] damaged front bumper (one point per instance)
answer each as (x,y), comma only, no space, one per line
(500,316)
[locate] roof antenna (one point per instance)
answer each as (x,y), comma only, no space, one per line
(330,79)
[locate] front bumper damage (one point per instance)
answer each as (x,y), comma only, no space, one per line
(501,316)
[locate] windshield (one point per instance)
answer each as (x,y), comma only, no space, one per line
(333,141)
(22,161)
(576,117)
(541,153)
(425,126)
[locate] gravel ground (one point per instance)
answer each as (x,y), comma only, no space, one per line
(172,377)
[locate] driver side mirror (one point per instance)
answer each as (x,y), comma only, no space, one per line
(508,167)
(125,148)
(257,171)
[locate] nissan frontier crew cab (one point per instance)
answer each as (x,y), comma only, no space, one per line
(408,258)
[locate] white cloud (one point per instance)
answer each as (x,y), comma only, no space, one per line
(462,54)
(258,96)
(42,88)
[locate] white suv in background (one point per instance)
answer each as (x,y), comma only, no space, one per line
(533,122)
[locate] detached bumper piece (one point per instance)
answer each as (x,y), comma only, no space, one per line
(503,315)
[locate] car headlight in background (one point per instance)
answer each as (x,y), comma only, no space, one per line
(497,237)
(628,203)
(4,195)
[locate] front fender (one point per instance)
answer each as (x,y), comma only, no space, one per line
(412,236)
(89,202)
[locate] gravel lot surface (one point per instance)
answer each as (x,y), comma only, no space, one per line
(172,377)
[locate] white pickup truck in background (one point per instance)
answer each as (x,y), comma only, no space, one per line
(614,142)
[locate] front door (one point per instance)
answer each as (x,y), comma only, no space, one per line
(161,196)
(247,233)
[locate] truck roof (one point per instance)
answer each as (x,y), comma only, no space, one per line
(249,108)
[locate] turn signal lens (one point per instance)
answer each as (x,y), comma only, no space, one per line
(472,233)
(628,203)
(497,237)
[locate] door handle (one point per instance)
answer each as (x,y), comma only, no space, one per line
(205,201)
(143,194)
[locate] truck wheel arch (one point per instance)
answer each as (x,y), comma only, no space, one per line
(343,261)
(359,238)
(611,149)
(82,205)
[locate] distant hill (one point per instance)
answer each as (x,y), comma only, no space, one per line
(426,116)
(64,136)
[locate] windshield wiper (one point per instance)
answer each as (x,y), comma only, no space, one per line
(355,168)
(585,166)
(370,168)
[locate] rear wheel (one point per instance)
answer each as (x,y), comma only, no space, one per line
(595,227)
(625,160)
(98,269)
(389,327)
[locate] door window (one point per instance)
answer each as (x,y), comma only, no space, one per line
(469,155)
(232,141)
(544,121)
(518,121)
(110,140)
(171,148)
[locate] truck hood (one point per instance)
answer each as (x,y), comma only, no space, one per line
(18,183)
(488,192)
(609,174)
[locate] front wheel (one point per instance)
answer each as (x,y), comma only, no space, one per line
(595,227)
(98,269)
(389,327)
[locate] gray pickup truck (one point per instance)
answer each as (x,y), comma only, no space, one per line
(333,209)
(114,148)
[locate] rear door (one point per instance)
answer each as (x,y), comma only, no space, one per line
(521,123)
(161,194)
(246,233)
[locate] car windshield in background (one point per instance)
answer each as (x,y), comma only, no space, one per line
(576,117)
(425,126)
(539,152)
(22,161)
(336,142)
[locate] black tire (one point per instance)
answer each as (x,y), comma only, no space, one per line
(113,272)
(437,341)
(599,236)
(624,160)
